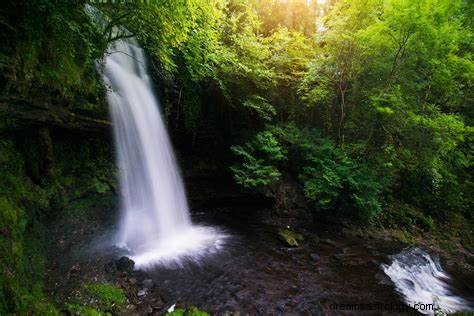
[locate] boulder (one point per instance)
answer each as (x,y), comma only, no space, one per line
(289,238)
(125,264)
(148,284)
(329,242)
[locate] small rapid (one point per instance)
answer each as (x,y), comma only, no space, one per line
(419,278)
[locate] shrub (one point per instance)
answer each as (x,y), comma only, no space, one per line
(333,181)
(330,178)
(258,159)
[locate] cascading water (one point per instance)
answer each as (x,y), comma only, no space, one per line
(419,278)
(155,225)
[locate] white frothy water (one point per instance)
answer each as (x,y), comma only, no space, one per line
(155,226)
(419,278)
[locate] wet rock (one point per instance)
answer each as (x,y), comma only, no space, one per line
(141,293)
(289,238)
(315,256)
(315,240)
(374,262)
(74,271)
(310,308)
(149,310)
(148,284)
(110,267)
(131,307)
(329,242)
(382,278)
(125,264)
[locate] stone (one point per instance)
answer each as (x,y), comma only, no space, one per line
(315,256)
(149,310)
(125,264)
(328,242)
(289,238)
(110,267)
(148,284)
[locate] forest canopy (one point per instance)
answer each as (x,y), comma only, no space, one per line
(387,84)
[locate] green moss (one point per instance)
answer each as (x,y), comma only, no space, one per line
(191,311)
(107,295)
(76,309)
(25,205)
(291,239)
(21,261)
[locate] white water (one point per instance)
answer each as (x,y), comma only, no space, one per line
(419,278)
(155,226)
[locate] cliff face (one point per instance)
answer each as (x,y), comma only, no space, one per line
(43,170)
(18,112)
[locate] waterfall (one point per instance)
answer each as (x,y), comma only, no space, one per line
(155,225)
(420,279)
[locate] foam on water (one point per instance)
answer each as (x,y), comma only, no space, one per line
(419,278)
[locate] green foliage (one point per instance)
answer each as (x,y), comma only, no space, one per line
(334,182)
(391,80)
(48,52)
(24,205)
(21,263)
(191,311)
(77,309)
(405,217)
(106,294)
(97,299)
(331,180)
(217,47)
(257,159)
(262,108)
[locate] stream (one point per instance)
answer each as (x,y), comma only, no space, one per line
(254,273)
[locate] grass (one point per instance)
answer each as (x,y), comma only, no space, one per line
(107,295)
(191,311)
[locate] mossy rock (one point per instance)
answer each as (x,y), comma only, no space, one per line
(290,239)
(191,311)
(107,295)
(76,309)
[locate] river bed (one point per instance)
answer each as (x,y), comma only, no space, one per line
(254,273)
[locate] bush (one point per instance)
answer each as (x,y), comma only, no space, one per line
(258,159)
(331,180)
